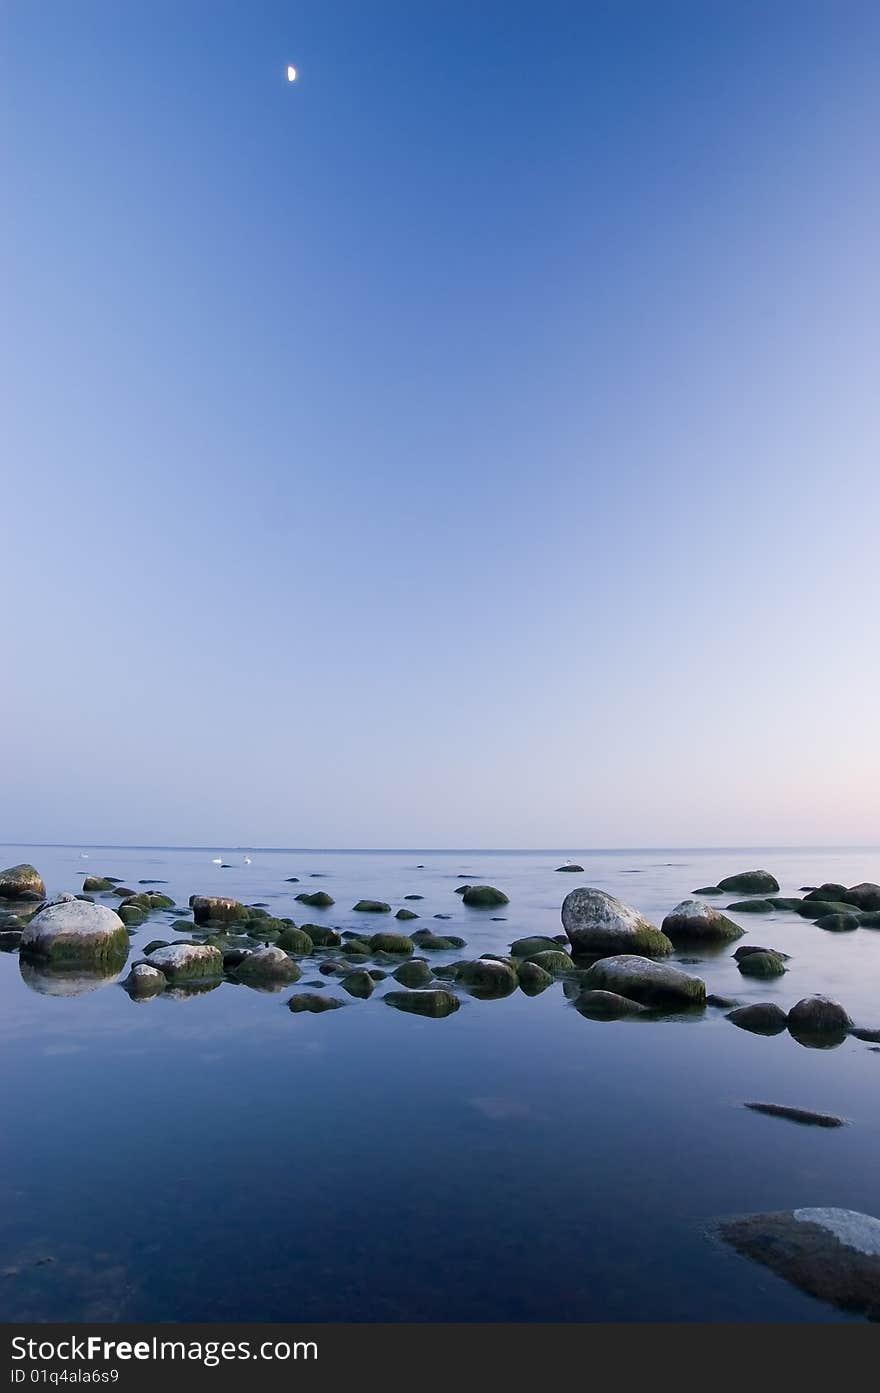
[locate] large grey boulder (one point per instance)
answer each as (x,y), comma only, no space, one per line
(186,962)
(597,922)
(75,931)
(833,1254)
(649,983)
(865,896)
(694,921)
(21,881)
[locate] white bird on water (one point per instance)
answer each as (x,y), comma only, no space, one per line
(218,861)
(247,860)
(291,73)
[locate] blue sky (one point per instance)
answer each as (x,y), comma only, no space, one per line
(474,442)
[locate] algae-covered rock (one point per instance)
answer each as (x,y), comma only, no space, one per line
(761,1018)
(436,943)
(764,963)
(184,962)
(144,981)
(604,1005)
(865,896)
(553,960)
(828,892)
(692,921)
(158,901)
(396,944)
(318,900)
(415,973)
(371,907)
(322,935)
(406,914)
(358,983)
(295,940)
(532,978)
(73,931)
(310,1001)
(750,883)
(436,1003)
(21,882)
(707,890)
(838,923)
(132,915)
(483,897)
(597,922)
(268,965)
(487,977)
(154,944)
(211,909)
(756,906)
(650,983)
(537,943)
(96,884)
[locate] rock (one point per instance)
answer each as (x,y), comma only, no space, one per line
(707,890)
(862,1033)
(724,1003)
(158,901)
(156,943)
(802,1115)
(460,889)
(10,939)
(96,884)
(397,944)
(436,1003)
(217,909)
(761,1018)
(553,960)
(322,936)
(354,948)
(123,891)
(571,867)
(135,902)
(358,983)
(415,973)
(334,968)
(748,949)
(73,931)
(295,940)
(751,907)
(186,962)
(870,919)
(750,883)
(832,1254)
(269,965)
(435,943)
(527,947)
(371,907)
(692,921)
(292,880)
(319,900)
(818,1019)
(819,909)
(21,882)
(144,981)
(532,978)
(649,983)
(829,892)
(597,922)
(308,1001)
(442,916)
(865,896)
(406,914)
(764,963)
(780,902)
(838,923)
(602,1005)
(483,897)
(413,897)
(487,977)
(131,915)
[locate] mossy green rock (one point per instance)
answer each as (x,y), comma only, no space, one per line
(762,964)
(650,983)
(186,962)
(692,921)
(268,965)
(72,931)
(761,1018)
(751,907)
(208,909)
(371,907)
(137,901)
(707,890)
(310,1001)
(436,1003)
(788,902)
(132,915)
(599,923)
(295,940)
(827,893)
(158,901)
(415,973)
(144,981)
(553,960)
(819,909)
(322,936)
(21,880)
(750,883)
(406,914)
(526,947)
(397,944)
(354,948)
(358,983)
(487,977)
(483,897)
(603,1005)
(319,900)
(838,923)
(154,944)
(533,979)
(97,884)
(436,943)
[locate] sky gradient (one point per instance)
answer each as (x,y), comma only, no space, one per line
(473,443)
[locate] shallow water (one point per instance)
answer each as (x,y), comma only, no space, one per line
(219,1158)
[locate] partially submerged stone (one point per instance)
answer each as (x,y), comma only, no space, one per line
(804,1116)
(750,883)
(832,1254)
(536,943)
(838,923)
(487,977)
(144,981)
(763,963)
(436,943)
(308,1001)
(398,945)
(603,1005)
(436,1003)
(318,900)
(761,1018)
(371,907)
(553,960)
(268,965)
(483,897)
(415,973)
(650,983)
(406,914)
(21,882)
(818,1021)
(184,962)
(322,936)
(533,979)
(597,922)
(74,931)
(212,909)
(97,883)
(865,896)
(358,983)
(692,921)
(570,866)
(751,906)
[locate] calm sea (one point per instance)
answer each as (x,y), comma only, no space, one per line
(219,1158)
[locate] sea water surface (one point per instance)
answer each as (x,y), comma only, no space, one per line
(218,1158)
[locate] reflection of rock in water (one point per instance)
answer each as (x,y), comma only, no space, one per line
(56,981)
(185,991)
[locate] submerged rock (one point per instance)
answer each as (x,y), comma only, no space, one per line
(537,943)
(833,1254)
(707,890)
(802,1115)
(358,983)
(750,883)
(97,883)
(436,1003)
(415,973)
(761,1018)
(396,944)
(318,900)
(829,892)
(553,960)
(570,866)
(597,922)
(693,921)
(752,906)
(268,965)
(838,923)
(371,907)
(533,978)
(144,981)
(650,983)
(483,897)
(74,931)
(184,962)
(208,909)
(602,1005)
(818,1020)
(322,936)
(487,977)
(763,963)
(436,943)
(21,882)
(308,1001)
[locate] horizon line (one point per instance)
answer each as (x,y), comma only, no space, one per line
(445,851)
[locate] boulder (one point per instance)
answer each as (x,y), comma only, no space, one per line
(322,936)
(750,883)
(158,901)
(312,1001)
(602,1005)
(436,943)
(707,890)
(319,900)
(838,923)
(820,909)
(213,909)
(527,947)
(415,973)
(483,897)
(21,882)
(74,931)
(397,944)
(371,907)
(436,1003)
(96,884)
(829,892)
(832,1254)
(865,896)
(553,960)
(647,982)
(144,981)
(598,923)
(532,978)
(763,963)
(692,921)
(570,866)
(187,962)
(487,977)
(358,983)
(131,915)
(761,1018)
(268,965)
(818,1019)
(406,914)
(751,907)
